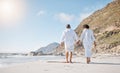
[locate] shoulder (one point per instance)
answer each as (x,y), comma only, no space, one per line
(84,30)
(91,31)
(72,30)
(65,31)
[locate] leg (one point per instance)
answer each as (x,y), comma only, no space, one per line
(70,57)
(67,54)
(88,60)
(87,52)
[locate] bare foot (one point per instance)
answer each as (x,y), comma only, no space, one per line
(71,61)
(67,62)
(88,61)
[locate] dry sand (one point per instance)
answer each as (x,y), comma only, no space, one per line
(101,64)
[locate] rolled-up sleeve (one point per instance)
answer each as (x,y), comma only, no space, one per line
(62,37)
(75,36)
(92,36)
(82,36)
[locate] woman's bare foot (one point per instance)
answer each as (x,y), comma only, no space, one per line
(88,61)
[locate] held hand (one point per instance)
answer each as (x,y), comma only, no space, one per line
(78,42)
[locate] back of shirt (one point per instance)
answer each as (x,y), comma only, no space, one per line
(87,36)
(69,36)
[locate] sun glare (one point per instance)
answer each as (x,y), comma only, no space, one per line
(7,9)
(11,11)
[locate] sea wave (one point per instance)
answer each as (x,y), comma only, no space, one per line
(10,60)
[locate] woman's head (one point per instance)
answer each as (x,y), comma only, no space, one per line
(86,26)
(68,26)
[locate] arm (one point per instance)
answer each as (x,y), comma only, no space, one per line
(79,42)
(62,39)
(75,36)
(94,43)
(82,36)
(93,38)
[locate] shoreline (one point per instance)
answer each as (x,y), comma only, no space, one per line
(50,58)
(100,64)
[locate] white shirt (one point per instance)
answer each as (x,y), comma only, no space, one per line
(69,37)
(87,36)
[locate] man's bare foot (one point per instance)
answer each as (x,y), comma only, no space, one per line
(67,62)
(87,62)
(70,61)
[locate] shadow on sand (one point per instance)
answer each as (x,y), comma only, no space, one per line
(105,63)
(60,62)
(102,63)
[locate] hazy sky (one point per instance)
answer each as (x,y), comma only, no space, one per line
(27,25)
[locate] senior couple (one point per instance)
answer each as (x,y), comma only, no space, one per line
(70,38)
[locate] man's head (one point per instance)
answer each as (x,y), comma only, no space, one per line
(68,26)
(86,26)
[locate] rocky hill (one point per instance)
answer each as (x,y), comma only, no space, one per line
(47,50)
(106,25)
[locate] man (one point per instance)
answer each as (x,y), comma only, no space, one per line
(69,37)
(87,38)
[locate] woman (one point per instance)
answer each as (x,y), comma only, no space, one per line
(87,38)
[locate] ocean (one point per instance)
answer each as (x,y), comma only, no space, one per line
(12,60)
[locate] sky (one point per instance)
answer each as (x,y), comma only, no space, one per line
(27,25)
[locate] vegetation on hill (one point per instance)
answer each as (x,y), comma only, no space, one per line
(106,25)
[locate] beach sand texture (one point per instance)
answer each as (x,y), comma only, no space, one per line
(105,64)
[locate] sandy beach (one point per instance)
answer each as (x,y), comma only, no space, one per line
(100,64)
(35,36)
